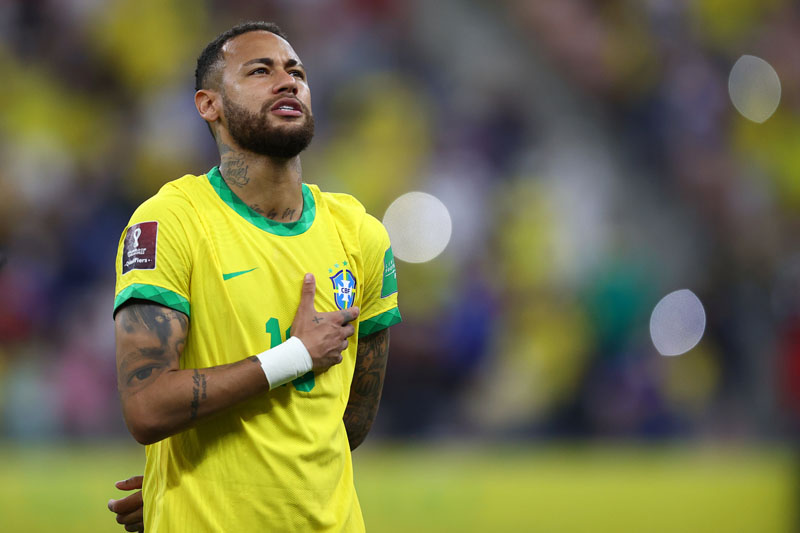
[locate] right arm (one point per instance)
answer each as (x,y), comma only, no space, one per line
(159,399)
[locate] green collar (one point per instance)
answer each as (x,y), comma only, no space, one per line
(258,220)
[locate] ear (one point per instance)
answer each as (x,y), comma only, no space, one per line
(208,104)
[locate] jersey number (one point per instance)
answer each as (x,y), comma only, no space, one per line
(305,382)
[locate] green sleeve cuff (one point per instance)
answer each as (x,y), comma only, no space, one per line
(379,322)
(155,294)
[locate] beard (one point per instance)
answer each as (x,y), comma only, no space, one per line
(254,133)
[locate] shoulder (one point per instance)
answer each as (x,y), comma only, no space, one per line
(346,207)
(338,202)
(175,198)
(373,231)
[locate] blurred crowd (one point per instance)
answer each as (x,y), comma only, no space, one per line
(587,151)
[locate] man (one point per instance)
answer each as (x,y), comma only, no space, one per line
(216,268)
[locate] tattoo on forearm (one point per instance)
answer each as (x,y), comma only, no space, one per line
(198,392)
(365,391)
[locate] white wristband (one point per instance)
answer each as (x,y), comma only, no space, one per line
(285,362)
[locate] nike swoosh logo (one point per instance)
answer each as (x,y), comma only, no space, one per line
(226,277)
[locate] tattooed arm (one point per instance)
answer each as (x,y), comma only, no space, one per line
(158,398)
(365,392)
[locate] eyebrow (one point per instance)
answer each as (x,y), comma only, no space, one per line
(270,62)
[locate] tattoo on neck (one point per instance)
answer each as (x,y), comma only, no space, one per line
(273,213)
(223,148)
(234,169)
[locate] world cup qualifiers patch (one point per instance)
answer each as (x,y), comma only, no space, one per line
(139,249)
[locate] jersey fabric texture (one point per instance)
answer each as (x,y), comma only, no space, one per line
(281,460)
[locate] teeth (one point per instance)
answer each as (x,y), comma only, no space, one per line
(286,107)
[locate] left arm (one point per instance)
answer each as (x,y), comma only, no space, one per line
(365,391)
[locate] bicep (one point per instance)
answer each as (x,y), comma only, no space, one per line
(149,342)
(371,356)
(365,391)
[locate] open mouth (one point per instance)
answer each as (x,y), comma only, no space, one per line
(287,107)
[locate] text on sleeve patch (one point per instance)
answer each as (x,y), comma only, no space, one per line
(139,250)
(389,274)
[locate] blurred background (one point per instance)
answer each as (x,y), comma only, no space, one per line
(591,160)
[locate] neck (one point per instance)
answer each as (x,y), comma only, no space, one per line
(270,186)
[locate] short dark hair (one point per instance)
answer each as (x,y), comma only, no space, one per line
(211,57)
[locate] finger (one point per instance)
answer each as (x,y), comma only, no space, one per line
(135,527)
(344,345)
(348,330)
(131,483)
(130,518)
(307,293)
(127,504)
(348,315)
(332,359)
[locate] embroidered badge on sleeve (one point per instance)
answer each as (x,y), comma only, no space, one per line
(389,274)
(139,250)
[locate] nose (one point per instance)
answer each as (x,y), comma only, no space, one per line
(286,83)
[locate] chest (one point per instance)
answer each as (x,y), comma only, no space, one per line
(255,277)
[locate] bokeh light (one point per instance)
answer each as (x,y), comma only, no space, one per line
(677,323)
(755,88)
(419,227)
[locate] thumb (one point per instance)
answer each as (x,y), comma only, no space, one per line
(307,294)
(132,483)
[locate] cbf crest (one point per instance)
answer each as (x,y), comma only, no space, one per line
(344,288)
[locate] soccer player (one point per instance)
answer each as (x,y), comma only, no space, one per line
(240,295)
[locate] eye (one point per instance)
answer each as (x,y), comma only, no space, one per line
(141,375)
(298,74)
(259,70)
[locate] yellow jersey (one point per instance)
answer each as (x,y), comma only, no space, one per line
(281,460)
